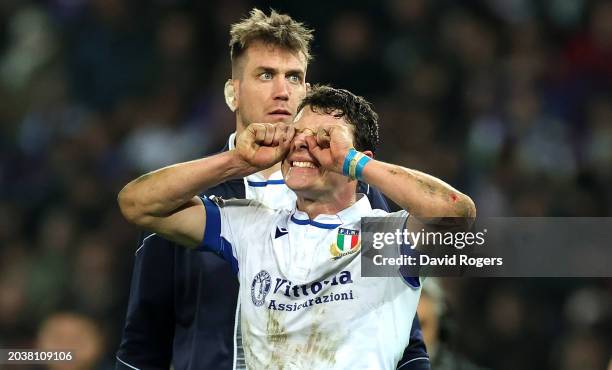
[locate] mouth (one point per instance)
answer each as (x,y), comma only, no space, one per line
(303,164)
(280,112)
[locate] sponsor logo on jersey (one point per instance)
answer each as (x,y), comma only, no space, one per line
(347,242)
(323,291)
(288,289)
(260,287)
(307,303)
(280,231)
(332,289)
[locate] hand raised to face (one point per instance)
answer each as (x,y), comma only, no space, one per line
(264,144)
(330,144)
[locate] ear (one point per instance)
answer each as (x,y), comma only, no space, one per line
(231,98)
(369,153)
(307,86)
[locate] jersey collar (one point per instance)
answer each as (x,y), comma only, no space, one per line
(352,214)
(231,142)
(258,181)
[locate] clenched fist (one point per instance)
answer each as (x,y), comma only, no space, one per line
(262,145)
(330,144)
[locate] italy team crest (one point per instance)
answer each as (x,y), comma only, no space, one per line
(347,242)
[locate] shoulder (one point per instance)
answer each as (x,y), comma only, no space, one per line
(383,213)
(240,203)
(376,198)
(247,208)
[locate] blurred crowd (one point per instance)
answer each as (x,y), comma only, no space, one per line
(508,100)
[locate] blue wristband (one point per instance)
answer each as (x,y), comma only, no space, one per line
(360,166)
(347,161)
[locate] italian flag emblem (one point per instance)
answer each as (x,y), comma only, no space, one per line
(347,240)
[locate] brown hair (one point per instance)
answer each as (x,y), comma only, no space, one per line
(275,29)
(354,109)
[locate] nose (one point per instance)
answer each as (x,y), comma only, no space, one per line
(281,88)
(299,140)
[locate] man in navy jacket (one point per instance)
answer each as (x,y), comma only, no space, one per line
(185,320)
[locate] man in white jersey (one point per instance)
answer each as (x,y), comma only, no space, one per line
(184,321)
(303,304)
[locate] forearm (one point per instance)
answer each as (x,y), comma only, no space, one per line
(420,194)
(163,191)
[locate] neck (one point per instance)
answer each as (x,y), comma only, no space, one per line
(239,126)
(314,206)
(268,172)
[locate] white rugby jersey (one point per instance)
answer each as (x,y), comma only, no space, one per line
(304,304)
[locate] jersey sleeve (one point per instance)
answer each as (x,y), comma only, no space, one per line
(230,224)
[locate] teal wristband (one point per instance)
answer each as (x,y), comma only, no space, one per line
(361,165)
(347,161)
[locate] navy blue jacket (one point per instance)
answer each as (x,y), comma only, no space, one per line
(182,305)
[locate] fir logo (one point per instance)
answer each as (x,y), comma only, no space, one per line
(347,242)
(260,287)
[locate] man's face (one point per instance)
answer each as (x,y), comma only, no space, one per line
(301,171)
(270,85)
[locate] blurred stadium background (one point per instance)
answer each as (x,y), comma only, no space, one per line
(509,100)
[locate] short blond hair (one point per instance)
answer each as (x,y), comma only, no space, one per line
(276,29)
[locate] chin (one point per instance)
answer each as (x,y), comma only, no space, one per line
(302,184)
(284,119)
(296,185)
